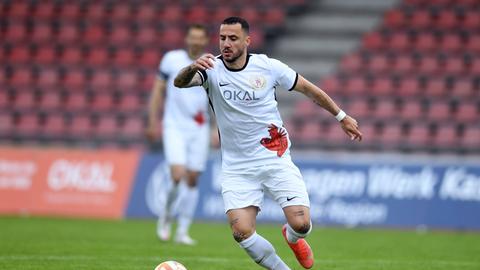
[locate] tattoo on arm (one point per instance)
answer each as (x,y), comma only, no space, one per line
(187,77)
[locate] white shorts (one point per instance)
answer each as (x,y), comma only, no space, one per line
(282,182)
(187,147)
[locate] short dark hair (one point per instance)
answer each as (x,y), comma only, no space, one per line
(199,27)
(241,21)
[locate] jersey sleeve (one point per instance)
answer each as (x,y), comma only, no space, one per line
(285,77)
(164,71)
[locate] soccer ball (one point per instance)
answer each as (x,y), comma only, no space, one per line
(170,265)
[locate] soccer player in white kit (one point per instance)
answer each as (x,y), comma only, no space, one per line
(255,145)
(185,133)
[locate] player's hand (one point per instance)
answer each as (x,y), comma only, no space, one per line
(151,132)
(204,62)
(350,126)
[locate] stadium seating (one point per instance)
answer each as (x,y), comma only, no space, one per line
(79,72)
(413,83)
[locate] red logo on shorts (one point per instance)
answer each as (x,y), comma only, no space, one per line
(199,118)
(278,140)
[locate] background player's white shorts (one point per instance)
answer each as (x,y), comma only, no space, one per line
(282,182)
(187,147)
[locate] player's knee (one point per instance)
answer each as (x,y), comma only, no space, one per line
(241,233)
(303,227)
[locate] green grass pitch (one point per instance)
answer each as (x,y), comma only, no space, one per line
(49,243)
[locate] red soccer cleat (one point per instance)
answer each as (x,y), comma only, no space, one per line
(301,249)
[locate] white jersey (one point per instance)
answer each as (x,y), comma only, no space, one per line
(184,108)
(244,102)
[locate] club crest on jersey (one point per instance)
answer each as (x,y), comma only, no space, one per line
(258,82)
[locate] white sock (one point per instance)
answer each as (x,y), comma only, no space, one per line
(188,202)
(293,236)
(263,253)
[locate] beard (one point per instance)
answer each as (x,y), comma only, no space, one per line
(234,57)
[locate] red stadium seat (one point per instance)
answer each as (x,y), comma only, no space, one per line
(21,77)
(351,63)
(80,127)
(382,86)
(50,101)
(101,79)
(172,38)
(471,20)
(439,111)
(106,127)
(274,16)
(120,35)
(74,79)
(98,56)
(473,43)
(359,108)
(146,13)
(150,58)
(305,109)
(447,19)
(54,126)
(197,14)
(172,13)
(19,54)
(16,32)
(379,63)
(70,10)
(251,14)
(127,81)
(129,103)
(41,33)
(428,64)
(418,135)
(420,19)
(102,102)
(121,12)
(68,34)
(95,11)
(48,78)
(221,12)
(373,41)
(451,42)
(45,55)
(435,87)
(409,87)
(146,35)
(124,57)
(426,42)
(403,64)
(399,41)
(467,112)
(28,125)
(76,102)
(331,85)
(44,11)
(463,88)
(94,34)
(391,135)
(132,128)
(470,138)
(394,18)
(19,9)
(411,110)
(454,65)
(72,55)
(24,100)
(311,132)
(356,85)
(385,109)
(445,136)
(6,124)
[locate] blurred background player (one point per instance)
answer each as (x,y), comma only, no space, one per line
(255,150)
(185,134)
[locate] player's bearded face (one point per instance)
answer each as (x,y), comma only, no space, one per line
(233,42)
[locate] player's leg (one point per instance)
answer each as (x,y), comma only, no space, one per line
(175,155)
(188,201)
(287,187)
(197,146)
(242,221)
